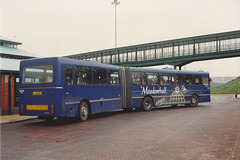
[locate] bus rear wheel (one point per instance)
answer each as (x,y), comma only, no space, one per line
(147,103)
(194,101)
(83,111)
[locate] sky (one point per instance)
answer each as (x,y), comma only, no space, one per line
(52,28)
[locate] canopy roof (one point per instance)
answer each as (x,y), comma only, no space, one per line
(15,53)
(2,39)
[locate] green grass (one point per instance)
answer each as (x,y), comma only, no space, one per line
(229,88)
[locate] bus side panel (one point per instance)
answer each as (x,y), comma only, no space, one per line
(71,110)
(59,109)
(101,97)
(106,98)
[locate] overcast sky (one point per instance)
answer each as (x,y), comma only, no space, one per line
(65,27)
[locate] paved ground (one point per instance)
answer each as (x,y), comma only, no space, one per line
(208,132)
(14,118)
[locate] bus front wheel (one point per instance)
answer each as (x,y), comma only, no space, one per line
(194,101)
(147,103)
(83,111)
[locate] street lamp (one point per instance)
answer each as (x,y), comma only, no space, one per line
(116,3)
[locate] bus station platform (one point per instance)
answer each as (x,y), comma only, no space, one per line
(14,118)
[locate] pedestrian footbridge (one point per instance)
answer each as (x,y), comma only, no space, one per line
(176,52)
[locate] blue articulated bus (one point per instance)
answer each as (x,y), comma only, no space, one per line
(62,87)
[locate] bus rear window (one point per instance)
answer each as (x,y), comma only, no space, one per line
(37,74)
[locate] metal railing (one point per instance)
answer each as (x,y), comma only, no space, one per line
(199,45)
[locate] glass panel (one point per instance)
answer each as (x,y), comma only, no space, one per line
(83,75)
(206,82)
(165,79)
(177,79)
(113,77)
(138,78)
(121,57)
(100,77)
(187,79)
(197,80)
(140,55)
(152,78)
(37,74)
(69,76)
(99,59)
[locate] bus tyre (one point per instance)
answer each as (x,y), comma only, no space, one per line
(147,103)
(194,101)
(83,111)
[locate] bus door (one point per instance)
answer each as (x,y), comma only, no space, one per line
(69,87)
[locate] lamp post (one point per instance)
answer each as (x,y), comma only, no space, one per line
(116,3)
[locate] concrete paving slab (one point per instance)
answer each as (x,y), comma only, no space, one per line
(14,118)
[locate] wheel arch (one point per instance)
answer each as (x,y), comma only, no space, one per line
(195,95)
(149,97)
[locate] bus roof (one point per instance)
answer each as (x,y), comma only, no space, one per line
(167,70)
(53,60)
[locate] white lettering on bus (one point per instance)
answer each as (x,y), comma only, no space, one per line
(154,91)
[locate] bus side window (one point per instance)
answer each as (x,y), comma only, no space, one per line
(197,79)
(100,76)
(152,79)
(187,79)
(165,79)
(69,76)
(113,77)
(138,78)
(83,75)
(177,79)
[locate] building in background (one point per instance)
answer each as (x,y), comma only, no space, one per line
(10,57)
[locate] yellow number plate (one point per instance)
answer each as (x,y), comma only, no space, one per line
(37,107)
(37,93)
